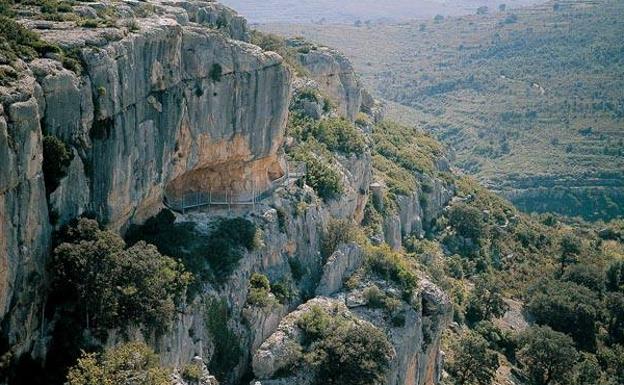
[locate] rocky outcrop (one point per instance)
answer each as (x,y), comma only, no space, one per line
(334,74)
(415,212)
(415,340)
(341,264)
(24,225)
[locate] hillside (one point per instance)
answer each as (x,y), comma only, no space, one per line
(530,100)
(188,201)
(350,11)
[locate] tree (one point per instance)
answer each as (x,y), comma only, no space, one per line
(546,356)
(568,308)
(132,363)
(486,300)
(615,317)
(588,372)
(113,286)
(56,158)
(482,10)
(473,363)
(615,276)
(354,354)
(570,246)
(502,7)
(467,221)
(590,276)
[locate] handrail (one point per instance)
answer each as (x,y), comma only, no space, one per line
(197,199)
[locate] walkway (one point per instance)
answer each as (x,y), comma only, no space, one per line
(199,199)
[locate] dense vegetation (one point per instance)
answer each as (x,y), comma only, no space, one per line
(560,271)
(210,257)
(116,286)
(527,97)
(130,363)
(342,351)
(320,140)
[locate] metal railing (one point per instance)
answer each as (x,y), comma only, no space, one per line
(229,198)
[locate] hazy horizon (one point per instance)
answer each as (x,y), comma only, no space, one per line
(349,11)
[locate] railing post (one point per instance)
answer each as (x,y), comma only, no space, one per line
(183,203)
(253,194)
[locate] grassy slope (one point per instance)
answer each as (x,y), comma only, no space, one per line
(516,100)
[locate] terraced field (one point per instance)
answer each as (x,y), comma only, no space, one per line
(349,11)
(532,100)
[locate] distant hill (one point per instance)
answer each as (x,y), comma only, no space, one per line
(350,11)
(532,100)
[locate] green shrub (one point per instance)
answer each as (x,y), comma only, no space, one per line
(315,324)
(133,361)
(192,372)
(89,23)
(486,300)
(340,135)
(354,354)
(259,289)
(392,266)
(339,231)
(296,268)
(56,158)
(472,361)
(18,41)
(227,345)
(6,8)
(468,221)
(322,177)
(283,291)
(275,43)
(568,308)
(216,72)
(213,256)
(114,286)
(546,355)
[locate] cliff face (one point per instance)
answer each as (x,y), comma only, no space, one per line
(153,110)
(178,103)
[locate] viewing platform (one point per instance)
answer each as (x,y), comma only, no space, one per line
(194,200)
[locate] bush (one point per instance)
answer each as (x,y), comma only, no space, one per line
(18,41)
(568,308)
(376,298)
(339,231)
(590,276)
(486,300)
(354,354)
(259,290)
(114,286)
(344,351)
(220,250)
(322,177)
(472,361)
(216,71)
(282,291)
(227,345)
(392,266)
(132,362)
(192,373)
(467,220)
(340,135)
(56,158)
(315,324)
(546,356)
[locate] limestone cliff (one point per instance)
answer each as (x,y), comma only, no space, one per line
(168,100)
